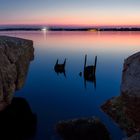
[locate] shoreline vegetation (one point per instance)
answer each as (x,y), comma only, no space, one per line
(69,29)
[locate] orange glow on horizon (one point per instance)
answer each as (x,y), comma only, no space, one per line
(77,22)
(73,13)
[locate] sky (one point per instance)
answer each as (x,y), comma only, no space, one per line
(70,12)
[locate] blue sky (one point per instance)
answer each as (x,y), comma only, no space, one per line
(70,12)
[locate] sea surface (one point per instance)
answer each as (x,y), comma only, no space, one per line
(54,97)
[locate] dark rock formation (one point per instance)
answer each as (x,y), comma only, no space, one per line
(126,112)
(82,129)
(131,76)
(15,57)
(17,122)
(125,109)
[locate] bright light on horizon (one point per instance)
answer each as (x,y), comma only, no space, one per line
(44,29)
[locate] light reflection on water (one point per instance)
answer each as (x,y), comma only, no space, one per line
(56,97)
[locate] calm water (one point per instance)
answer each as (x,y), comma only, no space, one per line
(54,97)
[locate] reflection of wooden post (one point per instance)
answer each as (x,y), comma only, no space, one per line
(85,83)
(90,72)
(94,81)
(95,64)
(85,61)
(64,73)
(64,62)
(60,68)
(56,62)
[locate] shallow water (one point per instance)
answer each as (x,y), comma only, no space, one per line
(55,97)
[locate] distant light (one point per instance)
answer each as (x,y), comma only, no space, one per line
(44,29)
(93,30)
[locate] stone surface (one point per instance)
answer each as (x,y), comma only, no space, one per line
(82,129)
(15,57)
(131,76)
(125,109)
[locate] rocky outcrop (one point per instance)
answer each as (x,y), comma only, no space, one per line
(15,57)
(125,109)
(82,129)
(130,85)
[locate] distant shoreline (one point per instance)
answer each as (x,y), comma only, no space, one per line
(71,29)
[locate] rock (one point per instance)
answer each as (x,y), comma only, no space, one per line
(125,109)
(15,57)
(82,129)
(131,76)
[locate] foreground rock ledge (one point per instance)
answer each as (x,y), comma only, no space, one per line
(15,57)
(125,109)
(82,129)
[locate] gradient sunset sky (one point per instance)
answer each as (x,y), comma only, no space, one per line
(71,12)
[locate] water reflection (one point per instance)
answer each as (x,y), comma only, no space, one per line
(91,80)
(60,68)
(17,121)
(66,99)
(89,72)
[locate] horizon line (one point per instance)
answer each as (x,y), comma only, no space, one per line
(69,25)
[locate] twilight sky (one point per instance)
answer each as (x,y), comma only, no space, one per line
(70,12)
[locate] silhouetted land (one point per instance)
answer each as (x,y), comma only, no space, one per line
(70,29)
(94,29)
(119,29)
(20,29)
